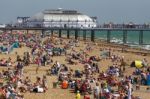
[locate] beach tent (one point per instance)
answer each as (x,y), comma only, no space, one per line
(137,64)
(15,45)
(3,49)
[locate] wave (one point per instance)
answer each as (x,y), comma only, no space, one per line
(116,40)
(120,41)
(147,47)
(132,44)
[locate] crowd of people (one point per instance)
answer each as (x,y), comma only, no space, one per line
(92,81)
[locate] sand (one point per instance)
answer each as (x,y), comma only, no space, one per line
(58,93)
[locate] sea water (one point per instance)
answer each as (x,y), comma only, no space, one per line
(117,37)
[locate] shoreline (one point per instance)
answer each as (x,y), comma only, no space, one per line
(102,43)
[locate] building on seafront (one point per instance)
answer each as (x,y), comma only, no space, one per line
(58,18)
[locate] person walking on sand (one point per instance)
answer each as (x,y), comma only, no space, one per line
(129,90)
(78,96)
(39,64)
(96,91)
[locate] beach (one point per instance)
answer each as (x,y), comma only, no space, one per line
(96,49)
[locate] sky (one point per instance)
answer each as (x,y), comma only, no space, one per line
(117,11)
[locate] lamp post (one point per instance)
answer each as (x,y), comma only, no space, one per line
(60,23)
(85,22)
(77,23)
(68,23)
(52,23)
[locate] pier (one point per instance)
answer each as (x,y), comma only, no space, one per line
(92,31)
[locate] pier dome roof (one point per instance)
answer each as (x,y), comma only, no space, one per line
(61,18)
(60,15)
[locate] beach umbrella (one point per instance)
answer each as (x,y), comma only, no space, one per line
(137,63)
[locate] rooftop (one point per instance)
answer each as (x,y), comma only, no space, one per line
(60,11)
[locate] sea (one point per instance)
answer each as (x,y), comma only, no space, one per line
(117,37)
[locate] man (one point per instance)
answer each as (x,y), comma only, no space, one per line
(20,68)
(129,91)
(96,91)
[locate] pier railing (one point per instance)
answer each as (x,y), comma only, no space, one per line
(77,24)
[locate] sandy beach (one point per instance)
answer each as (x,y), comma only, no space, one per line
(97,49)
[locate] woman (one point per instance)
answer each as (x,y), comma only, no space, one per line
(44,82)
